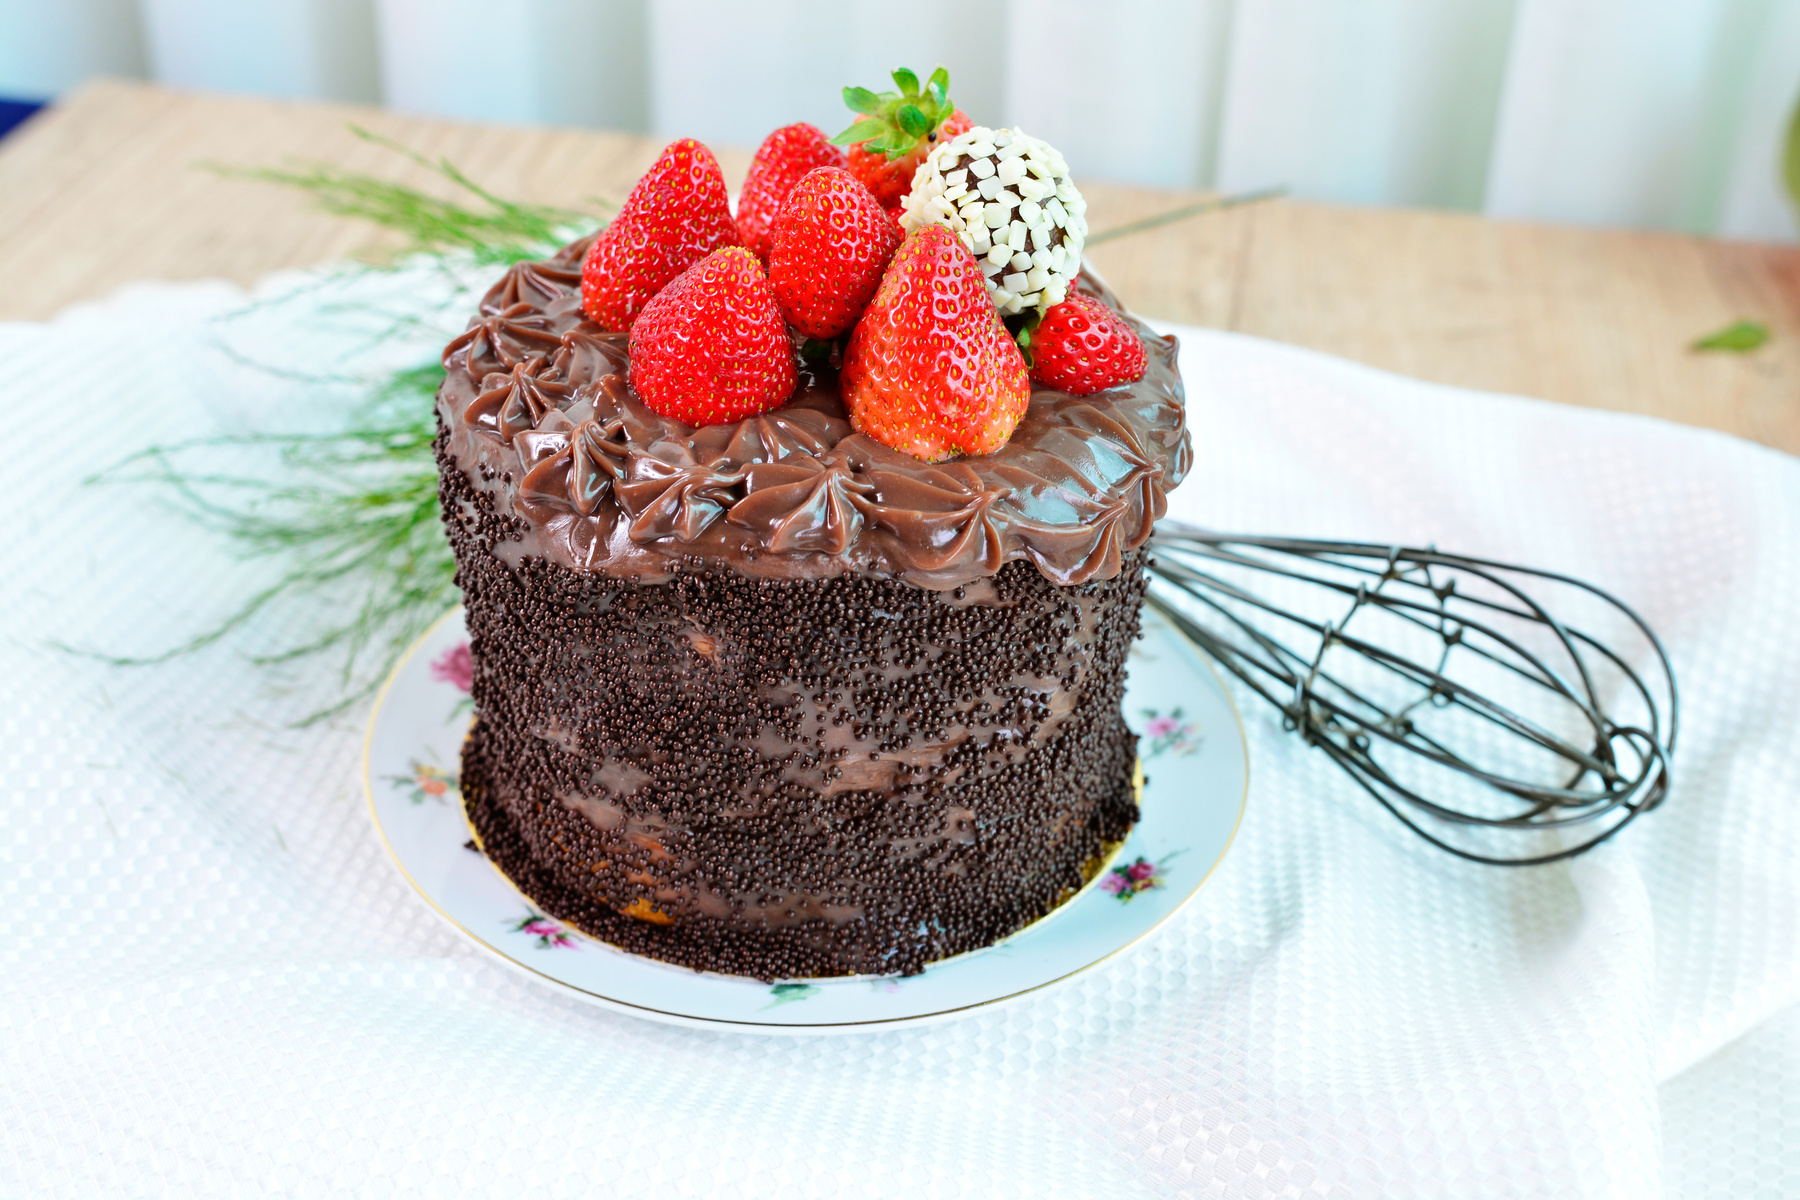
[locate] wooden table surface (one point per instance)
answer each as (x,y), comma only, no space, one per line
(106,187)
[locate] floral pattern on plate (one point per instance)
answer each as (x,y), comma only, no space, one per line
(456,667)
(1132,880)
(787,993)
(549,934)
(427,781)
(1170,733)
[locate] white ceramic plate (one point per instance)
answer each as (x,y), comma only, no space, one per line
(1196,767)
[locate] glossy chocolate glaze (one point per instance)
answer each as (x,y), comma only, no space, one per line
(538,414)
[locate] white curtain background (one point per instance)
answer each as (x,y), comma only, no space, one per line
(1644,113)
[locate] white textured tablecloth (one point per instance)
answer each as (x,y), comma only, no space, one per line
(212,982)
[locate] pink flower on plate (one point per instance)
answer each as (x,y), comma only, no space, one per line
(548,933)
(1169,733)
(454,666)
(1124,882)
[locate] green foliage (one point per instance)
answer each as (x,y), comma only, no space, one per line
(1024,327)
(1739,337)
(352,516)
(1790,156)
(894,123)
(498,231)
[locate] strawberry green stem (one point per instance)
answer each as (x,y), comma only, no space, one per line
(895,123)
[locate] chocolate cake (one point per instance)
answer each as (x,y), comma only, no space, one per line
(769,698)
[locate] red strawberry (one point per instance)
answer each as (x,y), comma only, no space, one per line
(785,155)
(1082,346)
(832,242)
(930,369)
(678,213)
(897,130)
(711,347)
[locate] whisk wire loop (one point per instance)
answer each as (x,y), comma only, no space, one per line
(1485,722)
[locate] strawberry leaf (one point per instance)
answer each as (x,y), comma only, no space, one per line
(1740,337)
(940,87)
(1790,157)
(1023,328)
(894,123)
(859,132)
(862,100)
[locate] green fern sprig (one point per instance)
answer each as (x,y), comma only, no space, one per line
(352,516)
(498,232)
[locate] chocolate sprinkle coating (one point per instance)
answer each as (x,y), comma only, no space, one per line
(790,778)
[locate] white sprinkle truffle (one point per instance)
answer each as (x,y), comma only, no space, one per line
(1008,197)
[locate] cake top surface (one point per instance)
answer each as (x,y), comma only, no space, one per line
(537,411)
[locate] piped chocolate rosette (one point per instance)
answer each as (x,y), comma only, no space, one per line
(799,601)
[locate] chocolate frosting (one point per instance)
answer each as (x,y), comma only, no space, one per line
(537,412)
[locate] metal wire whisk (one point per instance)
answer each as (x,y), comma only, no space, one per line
(1490,725)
